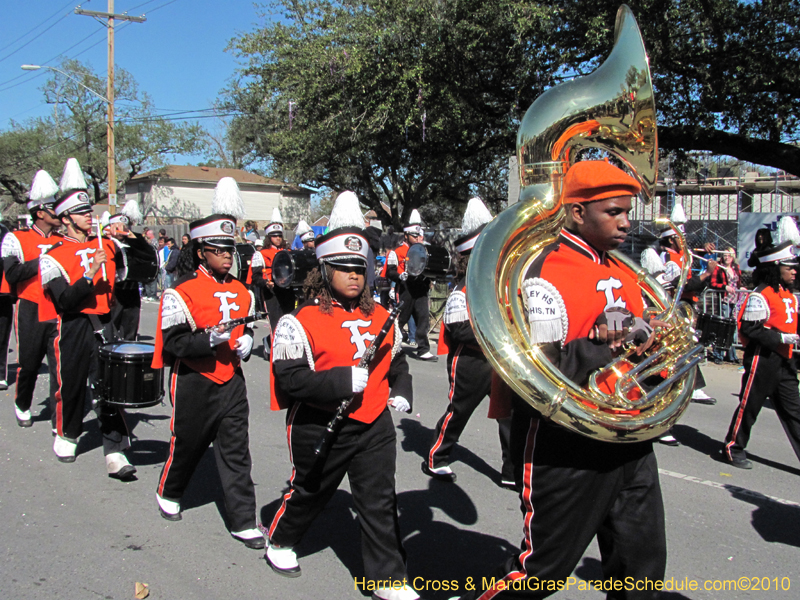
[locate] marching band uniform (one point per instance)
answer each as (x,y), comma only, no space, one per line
(768,326)
(412,291)
(279,301)
(7,300)
(469,372)
(81,301)
(314,357)
(35,339)
(206,383)
(575,487)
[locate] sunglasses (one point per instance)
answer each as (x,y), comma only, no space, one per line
(218,251)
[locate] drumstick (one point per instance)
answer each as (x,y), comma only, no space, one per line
(714,251)
(699,257)
(100,247)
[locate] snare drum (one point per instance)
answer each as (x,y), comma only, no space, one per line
(430,261)
(715,331)
(290,267)
(125,377)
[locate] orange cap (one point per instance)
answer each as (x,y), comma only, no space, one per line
(591,180)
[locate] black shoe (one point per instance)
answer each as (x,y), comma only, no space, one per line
(169,516)
(668,440)
(427,356)
(717,361)
(509,484)
(24,422)
(739,463)
(448,477)
(126,473)
(256,543)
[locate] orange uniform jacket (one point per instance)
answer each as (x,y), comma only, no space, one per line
(312,356)
(765,315)
(197,302)
(26,247)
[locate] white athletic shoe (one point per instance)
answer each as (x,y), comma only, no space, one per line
(169,509)
(118,466)
(252,538)
(283,561)
(64,449)
(23,417)
(404,593)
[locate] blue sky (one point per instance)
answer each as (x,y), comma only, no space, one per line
(177,56)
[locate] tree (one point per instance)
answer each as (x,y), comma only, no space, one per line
(405,102)
(143,141)
(725,72)
(416,101)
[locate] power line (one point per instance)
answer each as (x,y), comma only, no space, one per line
(34,29)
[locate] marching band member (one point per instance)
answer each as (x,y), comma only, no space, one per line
(412,291)
(582,305)
(468,370)
(315,353)
(125,314)
(21,251)
(278,300)
(306,235)
(207,387)
(78,278)
(768,326)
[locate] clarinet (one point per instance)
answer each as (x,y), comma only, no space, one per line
(229,325)
(323,445)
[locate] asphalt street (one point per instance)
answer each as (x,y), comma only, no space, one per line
(68,531)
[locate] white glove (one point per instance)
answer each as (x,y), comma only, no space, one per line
(219,338)
(403,276)
(790,338)
(391,294)
(400,404)
(244,345)
(360,376)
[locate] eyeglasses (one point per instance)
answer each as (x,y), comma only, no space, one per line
(219,251)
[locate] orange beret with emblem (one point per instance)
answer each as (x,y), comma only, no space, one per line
(592,180)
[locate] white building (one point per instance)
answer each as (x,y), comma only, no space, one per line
(186,192)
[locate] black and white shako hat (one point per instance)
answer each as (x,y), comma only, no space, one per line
(304,231)
(475,219)
(275,226)
(43,191)
(783,254)
(216,230)
(345,243)
(129,215)
(414,223)
(72,196)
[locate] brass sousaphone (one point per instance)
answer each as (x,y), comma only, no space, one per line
(612,109)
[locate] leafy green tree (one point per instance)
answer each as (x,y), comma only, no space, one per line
(417,101)
(143,140)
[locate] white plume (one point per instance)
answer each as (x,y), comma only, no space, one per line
(104,218)
(43,186)
(72,177)
(677,216)
(476,215)
(227,199)
(651,262)
(302,227)
(276,216)
(787,231)
(346,212)
(415,219)
(131,210)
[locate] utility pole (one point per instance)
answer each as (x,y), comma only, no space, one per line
(112,169)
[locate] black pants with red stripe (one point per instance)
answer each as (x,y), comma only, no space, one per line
(573,489)
(35,340)
(470,376)
(766,375)
(6,320)
(76,349)
(203,412)
(367,454)
(126,311)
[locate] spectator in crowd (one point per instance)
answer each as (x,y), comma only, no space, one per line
(171,263)
(185,240)
(763,240)
(727,278)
